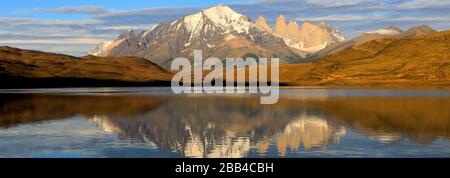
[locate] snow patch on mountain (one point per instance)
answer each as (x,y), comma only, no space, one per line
(301,46)
(338,35)
(385,31)
(222,15)
(103,46)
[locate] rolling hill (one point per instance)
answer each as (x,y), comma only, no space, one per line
(27,68)
(418,60)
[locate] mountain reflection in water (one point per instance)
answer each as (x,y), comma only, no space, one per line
(218,126)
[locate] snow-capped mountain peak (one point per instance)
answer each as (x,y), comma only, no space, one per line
(129,33)
(100,48)
(221,16)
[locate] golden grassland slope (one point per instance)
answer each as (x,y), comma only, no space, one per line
(35,64)
(423,60)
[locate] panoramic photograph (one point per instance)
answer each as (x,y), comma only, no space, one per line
(225,79)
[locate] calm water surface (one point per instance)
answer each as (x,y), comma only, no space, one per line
(152,122)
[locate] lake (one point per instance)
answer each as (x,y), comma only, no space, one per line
(153,122)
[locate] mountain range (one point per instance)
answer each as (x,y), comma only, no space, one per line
(310,38)
(218,31)
(221,32)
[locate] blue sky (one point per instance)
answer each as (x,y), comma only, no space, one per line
(76,26)
(13,8)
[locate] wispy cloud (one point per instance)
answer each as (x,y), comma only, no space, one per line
(54,41)
(337,3)
(344,18)
(125,27)
(418,19)
(73,10)
(27,21)
(144,16)
(348,18)
(419,4)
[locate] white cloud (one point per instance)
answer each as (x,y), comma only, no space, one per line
(40,35)
(344,18)
(125,27)
(417,19)
(337,3)
(24,21)
(73,10)
(375,18)
(415,4)
(53,41)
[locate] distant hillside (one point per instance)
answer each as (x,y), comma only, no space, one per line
(388,32)
(27,68)
(421,60)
